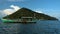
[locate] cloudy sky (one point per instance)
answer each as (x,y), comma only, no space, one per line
(49,7)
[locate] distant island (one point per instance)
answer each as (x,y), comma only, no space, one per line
(25,12)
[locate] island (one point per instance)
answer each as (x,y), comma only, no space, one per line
(25,14)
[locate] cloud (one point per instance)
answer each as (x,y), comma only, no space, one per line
(12,10)
(9,11)
(38,10)
(15,7)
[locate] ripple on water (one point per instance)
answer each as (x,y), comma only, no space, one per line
(41,27)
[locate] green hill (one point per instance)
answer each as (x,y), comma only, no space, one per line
(24,12)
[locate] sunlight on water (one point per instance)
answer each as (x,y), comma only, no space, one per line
(41,27)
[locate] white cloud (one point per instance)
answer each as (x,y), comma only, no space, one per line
(15,7)
(39,11)
(9,11)
(2,14)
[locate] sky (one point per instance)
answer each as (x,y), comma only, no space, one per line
(49,7)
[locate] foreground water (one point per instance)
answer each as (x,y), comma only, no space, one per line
(40,27)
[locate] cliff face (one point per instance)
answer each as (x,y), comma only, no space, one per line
(24,12)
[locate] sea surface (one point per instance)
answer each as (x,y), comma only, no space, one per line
(40,27)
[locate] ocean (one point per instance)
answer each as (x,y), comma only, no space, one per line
(40,27)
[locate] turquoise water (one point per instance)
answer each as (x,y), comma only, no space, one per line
(40,27)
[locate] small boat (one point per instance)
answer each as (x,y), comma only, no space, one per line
(6,21)
(22,20)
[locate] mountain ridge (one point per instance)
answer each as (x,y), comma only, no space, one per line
(25,12)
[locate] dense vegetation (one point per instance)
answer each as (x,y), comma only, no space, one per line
(24,12)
